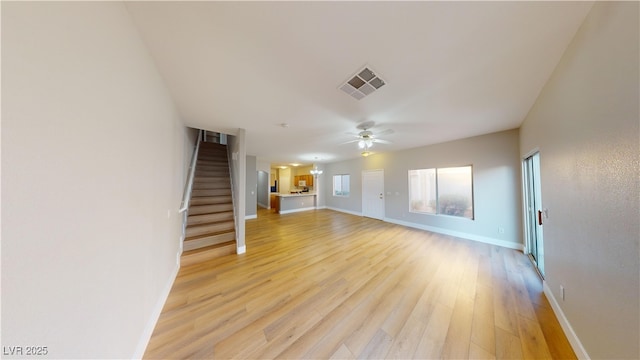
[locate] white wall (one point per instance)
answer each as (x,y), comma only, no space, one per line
(92,160)
(496,186)
(585,124)
(284,183)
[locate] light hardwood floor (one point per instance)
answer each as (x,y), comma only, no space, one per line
(323,284)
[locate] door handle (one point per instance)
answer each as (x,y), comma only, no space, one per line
(539,217)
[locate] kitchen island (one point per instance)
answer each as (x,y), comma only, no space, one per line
(289,203)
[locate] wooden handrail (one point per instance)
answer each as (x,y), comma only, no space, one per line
(186,197)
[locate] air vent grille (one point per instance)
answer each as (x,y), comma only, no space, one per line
(363,83)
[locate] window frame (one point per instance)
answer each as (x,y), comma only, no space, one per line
(342,185)
(437,183)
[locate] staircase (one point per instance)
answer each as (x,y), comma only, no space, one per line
(210,229)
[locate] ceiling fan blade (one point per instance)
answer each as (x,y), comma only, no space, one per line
(385,132)
(350,141)
(365,125)
(382,141)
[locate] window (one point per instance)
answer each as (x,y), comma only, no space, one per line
(340,185)
(444,191)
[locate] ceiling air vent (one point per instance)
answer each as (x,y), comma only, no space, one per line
(362,84)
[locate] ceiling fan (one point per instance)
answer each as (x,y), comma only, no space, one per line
(366,138)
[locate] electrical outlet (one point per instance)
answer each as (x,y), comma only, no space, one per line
(501,230)
(562,292)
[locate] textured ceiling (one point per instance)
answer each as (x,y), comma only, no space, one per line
(452,69)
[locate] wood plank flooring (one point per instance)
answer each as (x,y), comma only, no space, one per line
(327,285)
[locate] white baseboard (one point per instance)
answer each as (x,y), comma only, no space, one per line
(155,315)
(241,249)
(483,239)
(580,351)
(248,217)
(297,210)
(344,211)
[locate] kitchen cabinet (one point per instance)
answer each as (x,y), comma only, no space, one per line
(307,178)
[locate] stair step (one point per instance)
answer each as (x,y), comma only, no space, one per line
(208,209)
(217,168)
(210,200)
(211,177)
(216,156)
(210,192)
(213,145)
(214,163)
(216,173)
(209,228)
(209,218)
(207,150)
(212,185)
(193,257)
(213,151)
(208,240)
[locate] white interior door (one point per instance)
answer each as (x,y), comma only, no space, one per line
(373,194)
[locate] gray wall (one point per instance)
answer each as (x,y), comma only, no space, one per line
(496,176)
(262,191)
(266,190)
(585,124)
(238,171)
(93,168)
(252,188)
(320,186)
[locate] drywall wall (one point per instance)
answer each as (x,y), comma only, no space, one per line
(264,198)
(585,124)
(496,186)
(262,189)
(284,177)
(92,175)
(191,135)
(319,186)
(251,188)
(236,148)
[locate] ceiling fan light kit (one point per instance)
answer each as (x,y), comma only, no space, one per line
(315,172)
(363,83)
(366,138)
(365,144)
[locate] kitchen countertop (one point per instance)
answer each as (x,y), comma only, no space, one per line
(294,195)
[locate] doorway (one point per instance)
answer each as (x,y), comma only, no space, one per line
(373,194)
(263,189)
(533,210)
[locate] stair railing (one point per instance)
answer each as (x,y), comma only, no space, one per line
(188,186)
